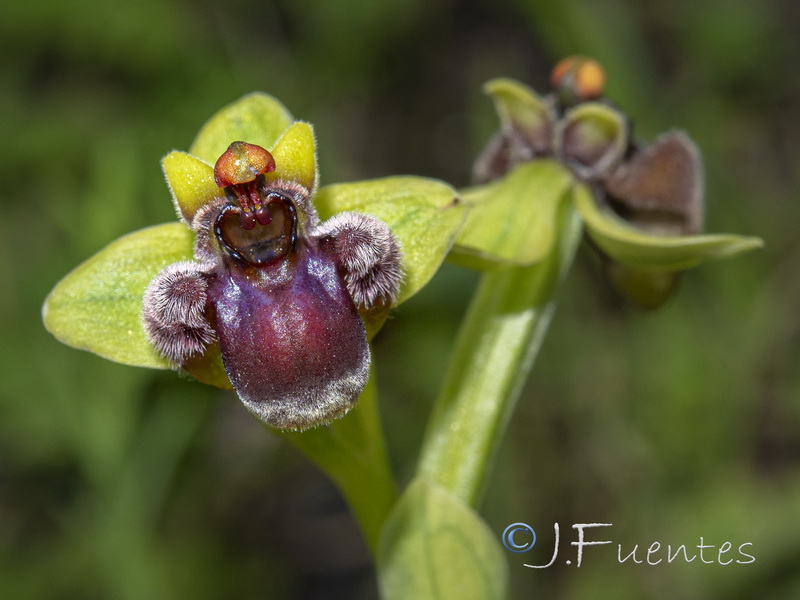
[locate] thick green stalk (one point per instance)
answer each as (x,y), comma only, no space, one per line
(352,451)
(494,353)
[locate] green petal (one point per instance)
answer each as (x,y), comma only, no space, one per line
(98,306)
(191,182)
(638,250)
(256,118)
(513,220)
(295,156)
(522,111)
(424,214)
(434,547)
(592,139)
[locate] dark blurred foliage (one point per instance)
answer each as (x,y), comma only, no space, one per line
(123,483)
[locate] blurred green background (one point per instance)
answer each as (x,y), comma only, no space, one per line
(121,483)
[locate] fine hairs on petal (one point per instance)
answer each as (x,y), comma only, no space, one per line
(177,342)
(173,312)
(370,255)
(206,249)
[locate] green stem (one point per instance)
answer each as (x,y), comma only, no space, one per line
(494,353)
(352,452)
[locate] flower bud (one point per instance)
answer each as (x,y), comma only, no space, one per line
(578,79)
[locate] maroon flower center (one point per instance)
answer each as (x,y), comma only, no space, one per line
(267,239)
(240,172)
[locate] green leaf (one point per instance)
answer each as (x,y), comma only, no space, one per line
(190,181)
(434,547)
(98,306)
(295,156)
(513,220)
(424,214)
(256,118)
(639,250)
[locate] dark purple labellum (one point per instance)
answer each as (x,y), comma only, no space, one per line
(292,341)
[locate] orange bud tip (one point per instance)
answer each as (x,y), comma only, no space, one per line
(579,77)
(242,163)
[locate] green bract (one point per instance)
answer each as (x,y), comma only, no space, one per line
(513,220)
(435,546)
(98,306)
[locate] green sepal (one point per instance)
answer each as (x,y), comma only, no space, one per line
(638,250)
(522,111)
(190,181)
(256,118)
(424,214)
(435,547)
(98,306)
(295,156)
(513,220)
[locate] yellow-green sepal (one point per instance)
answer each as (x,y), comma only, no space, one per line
(190,181)
(296,156)
(98,305)
(256,118)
